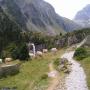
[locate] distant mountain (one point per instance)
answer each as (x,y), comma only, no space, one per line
(70,25)
(83,16)
(37,15)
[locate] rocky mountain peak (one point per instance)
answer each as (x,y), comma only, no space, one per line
(83,16)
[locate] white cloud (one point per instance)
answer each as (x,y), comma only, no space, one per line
(68,8)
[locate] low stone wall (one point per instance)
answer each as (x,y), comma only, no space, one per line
(9,70)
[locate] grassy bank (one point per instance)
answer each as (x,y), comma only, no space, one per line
(86,65)
(31,73)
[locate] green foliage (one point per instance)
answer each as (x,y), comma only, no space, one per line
(15,53)
(9,31)
(86,65)
(57,62)
(5,54)
(23,52)
(80,53)
(11,39)
(20,52)
(44,76)
(39,39)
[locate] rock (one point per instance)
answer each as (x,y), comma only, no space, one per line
(39,53)
(53,74)
(54,50)
(69,63)
(0,60)
(64,60)
(8,60)
(31,55)
(45,50)
(60,67)
(67,71)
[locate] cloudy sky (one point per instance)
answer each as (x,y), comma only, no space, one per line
(68,8)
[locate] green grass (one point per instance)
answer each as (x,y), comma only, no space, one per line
(86,65)
(80,53)
(30,74)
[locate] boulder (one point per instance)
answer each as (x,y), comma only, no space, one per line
(31,55)
(1,61)
(8,60)
(64,60)
(54,50)
(39,53)
(45,50)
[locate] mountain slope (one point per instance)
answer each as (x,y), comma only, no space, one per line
(9,30)
(83,16)
(70,25)
(36,15)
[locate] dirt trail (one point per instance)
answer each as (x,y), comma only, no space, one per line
(54,77)
(57,82)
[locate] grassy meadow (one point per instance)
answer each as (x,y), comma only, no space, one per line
(31,73)
(85,63)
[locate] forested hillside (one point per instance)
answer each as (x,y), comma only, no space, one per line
(9,31)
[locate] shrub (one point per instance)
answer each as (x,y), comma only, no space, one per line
(57,62)
(15,54)
(44,76)
(80,53)
(21,52)
(6,52)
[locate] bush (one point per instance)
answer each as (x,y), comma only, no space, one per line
(6,52)
(21,52)
(15,51)
(15,54)
(80,53)
(44,76)
(57,62)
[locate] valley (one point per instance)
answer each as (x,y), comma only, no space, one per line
(41,50)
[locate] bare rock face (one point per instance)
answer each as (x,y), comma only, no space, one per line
(83,17)
(37,15)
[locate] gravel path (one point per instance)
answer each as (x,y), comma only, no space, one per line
(76,80)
